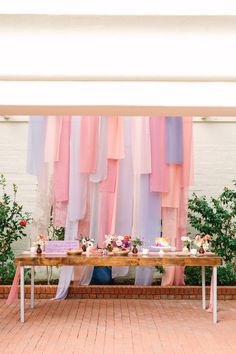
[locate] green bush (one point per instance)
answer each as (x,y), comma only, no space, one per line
(226,275)
(7,267)
(216,217)
(13,221)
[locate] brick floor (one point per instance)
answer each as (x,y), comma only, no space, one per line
(118,326)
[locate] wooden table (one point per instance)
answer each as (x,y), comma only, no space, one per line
(152,260)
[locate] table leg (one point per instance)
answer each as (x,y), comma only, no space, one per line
(32,287)
(203,287)
(214,300)
(22,295)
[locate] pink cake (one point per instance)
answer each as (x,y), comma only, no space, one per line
(162,242)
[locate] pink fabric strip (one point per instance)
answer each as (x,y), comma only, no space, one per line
(61,175)
(106,205)
(13,295)
(88,144)
(210,308)
(115,138)
(60,213)
(84,224)
(182,218)
(109,184)
(159,180)
(173,275)
(107,202)
(61,171)
(187,173)
(114,211)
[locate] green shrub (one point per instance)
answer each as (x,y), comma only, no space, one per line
(216,217)
(13,221)
(226,275)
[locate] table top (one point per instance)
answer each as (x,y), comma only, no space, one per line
(151,260)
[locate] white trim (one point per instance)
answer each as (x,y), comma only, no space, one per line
(15,119)
(205,120)
(118,98)
(121,7)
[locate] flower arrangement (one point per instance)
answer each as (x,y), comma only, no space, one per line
(187,241)
(120,242)
(41,241)
(203,241)
(86,242)
(137,241)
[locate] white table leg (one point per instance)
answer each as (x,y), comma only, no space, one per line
(203,288)
(214,295)
(32,287)
(22,295)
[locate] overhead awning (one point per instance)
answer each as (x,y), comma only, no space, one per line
(117,62)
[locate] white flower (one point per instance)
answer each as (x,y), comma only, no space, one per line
(120,238)
(206,246)
(84,241)
(111,238)
(198,243)
(90,244)
(119,243)
(185,238)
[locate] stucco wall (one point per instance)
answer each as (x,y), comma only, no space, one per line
(214,158)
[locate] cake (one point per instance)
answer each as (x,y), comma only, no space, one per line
(162,242)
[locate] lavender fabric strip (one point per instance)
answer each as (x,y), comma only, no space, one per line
(36,140)
(125,186)
(174,140)
(150,223)
(150,212)
(124,215)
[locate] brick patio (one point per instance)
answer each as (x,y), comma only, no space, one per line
(117,326)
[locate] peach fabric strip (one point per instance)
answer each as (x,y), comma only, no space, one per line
(88,144)
(172,198)
(52,141)
(115,138)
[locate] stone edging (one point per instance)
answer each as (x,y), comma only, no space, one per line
(126,292)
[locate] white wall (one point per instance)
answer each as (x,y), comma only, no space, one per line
(13,145)
(214,158)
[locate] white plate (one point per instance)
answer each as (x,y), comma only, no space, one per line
(158,248)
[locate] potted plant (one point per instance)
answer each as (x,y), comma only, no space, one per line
(135,243)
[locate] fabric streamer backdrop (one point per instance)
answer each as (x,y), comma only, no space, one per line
(120,175)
